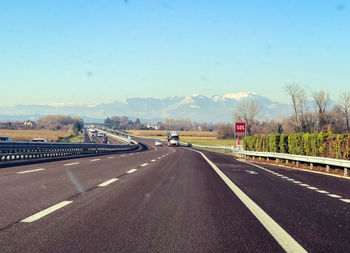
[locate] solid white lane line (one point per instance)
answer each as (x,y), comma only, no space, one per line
(305,185)
(108,182)
(153,160)
(46,211)
(29,171)
(334,196)
(131,171)
(143,165)
(296,182)
(322,191)
(94,160)
(70,164)
(346,200)
(281,236)
(312,188)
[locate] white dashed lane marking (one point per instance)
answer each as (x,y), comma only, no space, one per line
(131,171)
(108,182)
(29,171)
(334,196)
(301,184)
(143,165)
(70,164)
(94,160)
(46,211)
(153,160)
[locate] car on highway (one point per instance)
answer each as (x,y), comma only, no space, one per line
(158,143)
(38,140)
(5,138)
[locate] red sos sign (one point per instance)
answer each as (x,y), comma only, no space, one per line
(240,127)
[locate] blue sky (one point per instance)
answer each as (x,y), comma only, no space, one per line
(93,51)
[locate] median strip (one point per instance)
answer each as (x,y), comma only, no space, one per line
(29,171)
(108,182)
(45,212)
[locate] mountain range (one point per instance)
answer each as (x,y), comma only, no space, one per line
(197,108)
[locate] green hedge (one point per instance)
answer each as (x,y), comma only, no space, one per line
(322,144)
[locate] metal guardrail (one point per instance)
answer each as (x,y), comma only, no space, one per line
(10,151)
(299,158)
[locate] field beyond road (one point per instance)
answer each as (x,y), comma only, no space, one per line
(26,135)
(164,133)
(194,137)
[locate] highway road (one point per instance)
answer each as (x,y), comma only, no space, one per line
(167,199)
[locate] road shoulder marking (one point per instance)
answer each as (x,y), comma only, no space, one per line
(281,236)
(46,211)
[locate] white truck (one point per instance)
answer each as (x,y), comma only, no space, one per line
(173,139)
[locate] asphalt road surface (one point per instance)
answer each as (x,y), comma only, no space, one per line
(168,199)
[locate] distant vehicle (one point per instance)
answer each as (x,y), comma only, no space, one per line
(38,140)
(173,139)
(4,138)
(158,143)
(105,140)
(100,134)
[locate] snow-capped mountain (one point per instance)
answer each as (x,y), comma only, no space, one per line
(197,108)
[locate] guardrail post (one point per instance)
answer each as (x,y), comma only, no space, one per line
(327,168)
(277,160)
(311,166)
(345,172)
(297,163)
(287,161)
(267,159)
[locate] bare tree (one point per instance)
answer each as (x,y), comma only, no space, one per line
(322,101)
(344,102)
(246,111)
(337,120)
(299,98)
